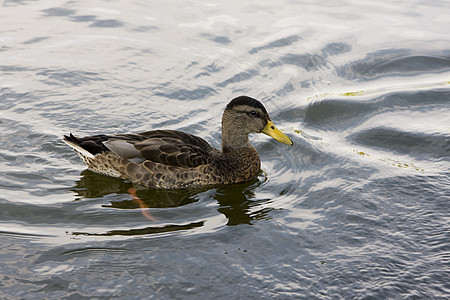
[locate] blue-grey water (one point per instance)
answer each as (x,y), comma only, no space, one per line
(358,208)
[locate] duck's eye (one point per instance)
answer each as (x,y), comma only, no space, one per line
(253,114)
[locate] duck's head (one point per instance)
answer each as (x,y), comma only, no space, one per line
(244,115)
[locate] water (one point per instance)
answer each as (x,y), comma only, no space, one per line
(357,208)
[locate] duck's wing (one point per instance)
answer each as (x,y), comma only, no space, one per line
(168,147)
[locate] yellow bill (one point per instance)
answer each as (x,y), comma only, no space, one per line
(274,132)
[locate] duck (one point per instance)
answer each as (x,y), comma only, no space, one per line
(172,159)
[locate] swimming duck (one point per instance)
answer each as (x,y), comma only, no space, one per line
(175,159)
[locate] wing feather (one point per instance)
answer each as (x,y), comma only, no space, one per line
(168,147)
(174,148)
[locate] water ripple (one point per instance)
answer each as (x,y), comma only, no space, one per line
(394,62)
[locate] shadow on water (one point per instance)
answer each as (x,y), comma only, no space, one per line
(236,202)
(144,231)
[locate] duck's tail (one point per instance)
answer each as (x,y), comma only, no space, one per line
(76,144)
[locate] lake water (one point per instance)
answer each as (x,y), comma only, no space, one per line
(358,208)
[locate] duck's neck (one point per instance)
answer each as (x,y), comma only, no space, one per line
(233,141)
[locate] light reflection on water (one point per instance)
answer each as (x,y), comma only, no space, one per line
(356,208)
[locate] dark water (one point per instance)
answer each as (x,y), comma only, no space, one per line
(357,208)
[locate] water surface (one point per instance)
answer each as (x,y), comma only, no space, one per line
(357,208)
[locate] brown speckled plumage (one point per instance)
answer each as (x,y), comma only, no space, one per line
(174,159)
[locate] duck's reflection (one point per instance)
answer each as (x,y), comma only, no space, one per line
(236,202)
